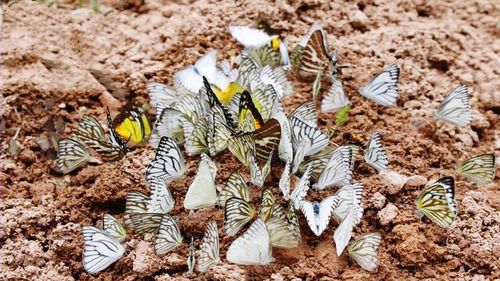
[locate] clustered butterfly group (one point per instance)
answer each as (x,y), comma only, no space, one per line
(213,107)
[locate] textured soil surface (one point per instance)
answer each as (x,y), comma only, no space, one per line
(60,63)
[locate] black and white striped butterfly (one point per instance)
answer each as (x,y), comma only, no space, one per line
(364,251)
(267,202)
(168,237)
(335,99)
(375,154)
(338,170)
(168,124)
(114,228)
(437,202)
(168,164)
(253,247)
(455,109)
(306,140)
(383,87)
(343,232)
(300,189)
(71,154)
(100,249)
(238,212)
(479,169)
(209,249)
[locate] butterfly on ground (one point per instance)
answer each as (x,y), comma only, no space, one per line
(238,212)
(209,248)
(375,154)
(236,186)
(338,170)
(71,154)
(202,192)
(168,237)
(191,260)
(437,202)
(479,169)
(455,109)
(300,189)
(335,99)
(282,229)
(253,247)
(100,249)
(383,87)
(168,164)
(364,251)
(306,140)
(114,228)
(267,202)
(318,214)
(132,124)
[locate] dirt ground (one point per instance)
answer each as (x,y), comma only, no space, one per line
(60,63)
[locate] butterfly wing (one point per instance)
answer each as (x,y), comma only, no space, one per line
(209,249)
(335,99)
(301,189)
(132,124)
(266,204)
(100,249)
(479,169)
(114,228)
(241,146)
(249,37)
(70,155)
(202,192)
(168,164)
(267,139)
(253,247)
(383,88)
(161,93)
(364,251)
(437,202)
(308,210)
(456,109)
(168,237)
(375,154)
(161,200)
(238,213)
(236,186)
(338,169)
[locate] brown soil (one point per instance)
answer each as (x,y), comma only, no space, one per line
(61,63)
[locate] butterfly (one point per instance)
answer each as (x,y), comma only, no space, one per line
(343,232)
(301,188)
(209,249)
(168,124)
(364,250)
(437,202)
(238,212)
(335,99)
(479,169)
(306,140)
(337,171)
(241,146)
(455,109)
(143,213)
(191,77)
(213,101)
(191,260)
(168,237)
(383,87)
(253,247)
(281,232)
(71,154)
(318,214)
(218,134)
(249,118)
(196,140)
(311,58)
(114,228)
(236,186)
(266,139)
(100,249)
(202,192)
(168,164)
(375,154)
(267,202)
(349,195)
(258,175)
(161,93)
(285,148)
(274,77)
(132,124)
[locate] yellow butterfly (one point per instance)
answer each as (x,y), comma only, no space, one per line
(132,124)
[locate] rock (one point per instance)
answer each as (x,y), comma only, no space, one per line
(393,181)
(388,214)
(359,20)
(416,180)
(378,200)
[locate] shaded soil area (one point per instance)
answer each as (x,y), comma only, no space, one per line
(60,63)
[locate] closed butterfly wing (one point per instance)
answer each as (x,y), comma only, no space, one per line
(301,131)
(253,247)
(236,186)
(343,232)
(202,192)
(168,237)
(306,112)
(479,169)
(241,146)
(375,154)
(280,234)
(161,93)
(238,213)
(89,130)
(71,154)
(284,183)
(383,88)
(338,169)
(437,202)
(455,109)
(161,200)
(300,191)
(209,249)
(168,164)
(335,99)
(100,249)
(267,202)
(191,260)
(314,57)
(267,139)
(349,196)
(364,251)
(114,228)
(285,148)
(168,124)
(143,223)
(258,175)
(249,37)
(196,141)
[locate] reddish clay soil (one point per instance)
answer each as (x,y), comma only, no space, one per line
(60,63)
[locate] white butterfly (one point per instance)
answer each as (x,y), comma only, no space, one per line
(249,37)
(306,140)
(191,260)
(167,124)
(364,251)
(114,228)
(168,164)
(281,231)
(168,237)
(71,154)
(306,112)
(209,249)
(343,232)
(335,99)
(300,190)
(284,183)
(202,193)
(191,77)
(349,195)
(161,93)
(318,214)
(285,149)
(161,200)
(375,154)
(100,249)
(253,247)
(338,170)
(383,88)
(258,175)
(455,109)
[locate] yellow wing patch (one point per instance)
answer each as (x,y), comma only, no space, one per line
(133,125)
